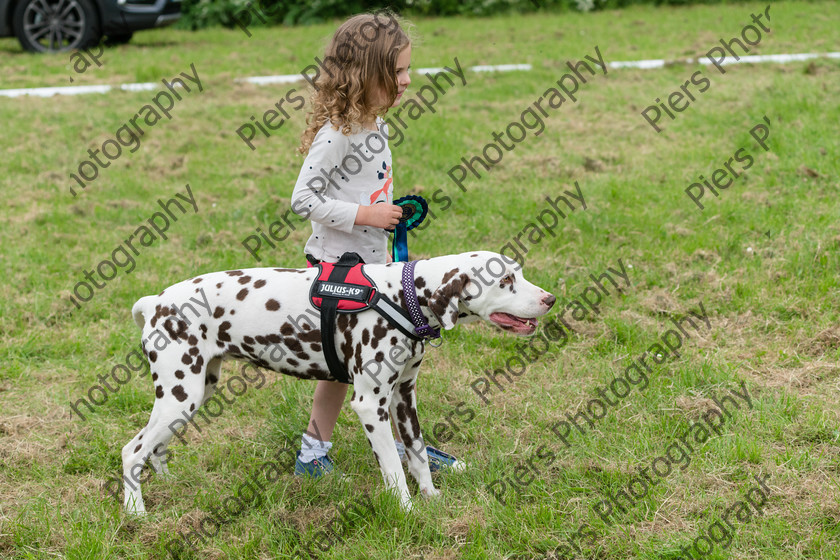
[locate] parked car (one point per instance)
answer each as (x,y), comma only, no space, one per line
(63,25)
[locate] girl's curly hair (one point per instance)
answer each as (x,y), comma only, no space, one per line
(359,60)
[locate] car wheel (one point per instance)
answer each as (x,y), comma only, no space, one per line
(56,25)
(118,39)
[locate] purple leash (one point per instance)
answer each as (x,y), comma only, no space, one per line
(421,325)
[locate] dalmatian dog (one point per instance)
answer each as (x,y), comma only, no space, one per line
(264,316)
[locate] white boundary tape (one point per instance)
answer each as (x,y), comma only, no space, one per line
(76,90)
(750,59)
(292,78)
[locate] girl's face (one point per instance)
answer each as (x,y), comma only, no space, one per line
(403,79)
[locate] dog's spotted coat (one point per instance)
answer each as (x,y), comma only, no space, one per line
(247,311)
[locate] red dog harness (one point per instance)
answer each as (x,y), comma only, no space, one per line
(352,293)
(343,287)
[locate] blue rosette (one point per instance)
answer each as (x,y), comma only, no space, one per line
(414,211)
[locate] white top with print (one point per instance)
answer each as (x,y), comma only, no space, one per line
(339,174)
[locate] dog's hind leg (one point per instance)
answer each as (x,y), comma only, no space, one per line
(214,371)
(178,396)
(158,459)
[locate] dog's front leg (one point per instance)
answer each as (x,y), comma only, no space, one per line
(404,409)
(374,418)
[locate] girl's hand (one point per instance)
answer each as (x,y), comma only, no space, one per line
(383,215)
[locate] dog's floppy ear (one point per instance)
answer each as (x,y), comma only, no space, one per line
(444,301)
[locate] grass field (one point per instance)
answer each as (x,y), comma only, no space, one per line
(761,258)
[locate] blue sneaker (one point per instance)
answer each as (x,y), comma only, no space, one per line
(438,460)
(316,468)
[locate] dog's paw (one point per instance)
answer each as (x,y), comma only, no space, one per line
(134,507)
(135,512)
(429,493)
(406,505)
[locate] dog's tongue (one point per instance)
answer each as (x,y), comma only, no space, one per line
(512,321)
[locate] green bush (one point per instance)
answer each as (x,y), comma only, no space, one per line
(199,14)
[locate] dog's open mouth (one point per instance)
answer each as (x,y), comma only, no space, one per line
(513,323)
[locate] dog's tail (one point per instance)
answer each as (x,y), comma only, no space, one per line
(140,309)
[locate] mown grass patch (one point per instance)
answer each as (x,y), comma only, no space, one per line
(762,259)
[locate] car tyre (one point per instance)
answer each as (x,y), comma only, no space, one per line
(56,25)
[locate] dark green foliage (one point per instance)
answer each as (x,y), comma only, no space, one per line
(199,14)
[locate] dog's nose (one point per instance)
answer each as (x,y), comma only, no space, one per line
(549,300)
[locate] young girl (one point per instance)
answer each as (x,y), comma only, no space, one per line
(345,186)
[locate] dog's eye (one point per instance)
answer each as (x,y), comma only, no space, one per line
(507,280)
